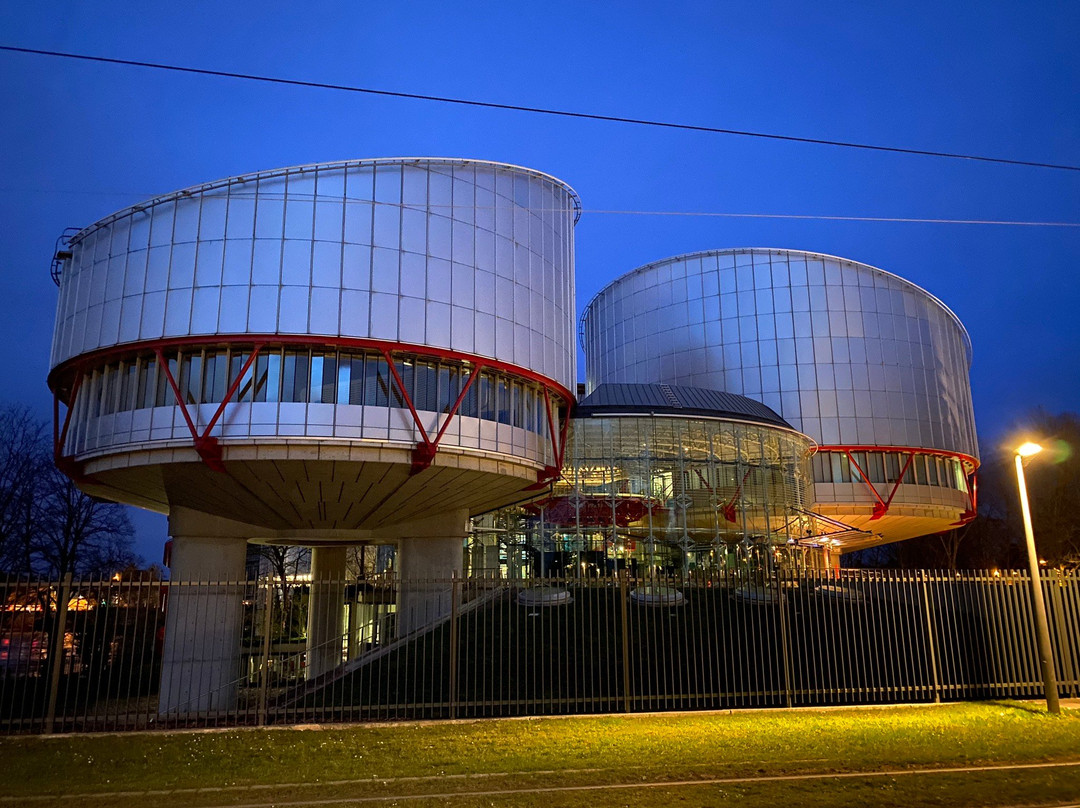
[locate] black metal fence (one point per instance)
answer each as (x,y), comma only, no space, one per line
(90,655)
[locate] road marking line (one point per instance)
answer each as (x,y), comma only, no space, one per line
(172,792)
(655,784)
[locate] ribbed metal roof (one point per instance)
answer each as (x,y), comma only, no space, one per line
(664,399)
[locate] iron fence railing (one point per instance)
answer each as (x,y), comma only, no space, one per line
(90,655)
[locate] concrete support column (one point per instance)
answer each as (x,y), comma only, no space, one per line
(428,560)
(491,560)
(326,610)
(425,590)
(204,616)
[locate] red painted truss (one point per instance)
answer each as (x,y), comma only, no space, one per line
(66,379)
(599,511)
(882,504)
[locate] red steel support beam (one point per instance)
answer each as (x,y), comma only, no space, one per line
(60,436)
(164,366)
(550,472)
(232,390)
(457,403)
(207,446)
(564,428)
(103,355)
(729,510)
(881,507)
(424,452)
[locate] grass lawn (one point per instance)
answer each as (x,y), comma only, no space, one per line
(600,761)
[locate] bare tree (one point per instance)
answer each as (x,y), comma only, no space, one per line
(285,563)
(47,525)
(950,541)
(77,533)
(23,460)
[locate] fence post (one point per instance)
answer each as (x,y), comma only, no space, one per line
(56,650)
(623,598)
(264,666)
(455,593)
(781,600)
(1057,605)
(930,642)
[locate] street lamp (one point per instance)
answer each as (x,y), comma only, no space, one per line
(1046,654)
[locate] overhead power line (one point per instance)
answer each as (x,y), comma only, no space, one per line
(599,211)
(536,110)
(905,220)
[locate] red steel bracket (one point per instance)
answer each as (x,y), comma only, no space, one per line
(881,506)
(206,445)
(424,452)
(728,510)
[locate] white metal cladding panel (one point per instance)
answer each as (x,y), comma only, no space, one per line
(846,353)
(471,257)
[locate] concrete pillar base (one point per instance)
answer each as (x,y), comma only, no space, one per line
(425,587)
(204,617)
(428,561)
(326,607)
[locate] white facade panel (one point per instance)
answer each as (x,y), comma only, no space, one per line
(438,231)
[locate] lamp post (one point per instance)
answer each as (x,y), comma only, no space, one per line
(1046,654)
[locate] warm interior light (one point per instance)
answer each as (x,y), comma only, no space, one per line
(1028,449)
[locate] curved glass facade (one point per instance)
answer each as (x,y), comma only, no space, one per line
(846,353)
(660,493)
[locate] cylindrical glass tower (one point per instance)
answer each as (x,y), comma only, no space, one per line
(869,365)
(376,318)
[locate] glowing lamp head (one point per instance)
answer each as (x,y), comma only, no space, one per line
(1028,449)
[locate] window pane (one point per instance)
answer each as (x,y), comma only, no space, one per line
(877,467)
(470,404)
(191,378)
(859,459)
(892,467)
(427,387)
(502,392)
(95,394)
(405,372)
(356,380)
(165,395)
(344,378)
(329,379)
(127,386)
(920,469)
(259,392)
(487,397)
(213,388)
(295,378)
(909,475)
(376,382)
(516,405)
(841,469)
(448,387)
(108,390)
(147,371)
(528,397)
(822,468)
(268,376)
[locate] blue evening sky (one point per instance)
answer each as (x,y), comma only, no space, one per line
(80,140)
